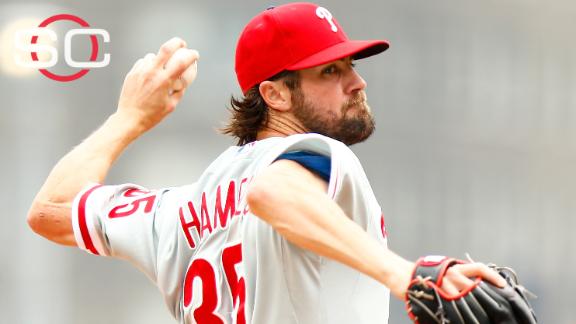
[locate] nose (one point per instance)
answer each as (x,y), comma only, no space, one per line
(356,82)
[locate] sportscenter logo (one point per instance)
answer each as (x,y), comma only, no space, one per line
(33,48)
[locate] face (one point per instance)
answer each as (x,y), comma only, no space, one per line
(331,101)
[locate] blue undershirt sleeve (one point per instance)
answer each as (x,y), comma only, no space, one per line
(316,163)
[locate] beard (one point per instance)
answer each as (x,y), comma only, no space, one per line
(354,125)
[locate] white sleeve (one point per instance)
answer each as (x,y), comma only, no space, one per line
(348,186)
(346,170)
(119,221)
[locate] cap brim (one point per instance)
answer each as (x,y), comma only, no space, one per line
(358,49)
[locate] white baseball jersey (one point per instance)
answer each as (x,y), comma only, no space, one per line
(215,262)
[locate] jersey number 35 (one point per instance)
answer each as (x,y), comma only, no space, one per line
(203,270)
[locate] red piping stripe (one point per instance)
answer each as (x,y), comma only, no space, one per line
(82,221)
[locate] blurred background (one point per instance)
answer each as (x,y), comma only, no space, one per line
(475,151)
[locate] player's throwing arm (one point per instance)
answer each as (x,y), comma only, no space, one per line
(151,91)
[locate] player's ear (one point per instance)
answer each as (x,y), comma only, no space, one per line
(276,95)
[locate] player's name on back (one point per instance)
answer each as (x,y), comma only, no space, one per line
(214,211)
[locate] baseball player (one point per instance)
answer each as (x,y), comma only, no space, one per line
(284,227)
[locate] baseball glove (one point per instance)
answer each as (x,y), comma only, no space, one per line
(482,303)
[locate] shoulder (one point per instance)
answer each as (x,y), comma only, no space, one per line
(317,143)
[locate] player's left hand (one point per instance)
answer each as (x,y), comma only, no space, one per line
(457,277)
(441,291)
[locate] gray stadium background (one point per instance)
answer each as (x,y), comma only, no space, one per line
(474,150)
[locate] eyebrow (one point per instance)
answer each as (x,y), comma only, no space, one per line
(334,62)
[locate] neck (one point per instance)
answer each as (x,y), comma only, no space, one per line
(281,126)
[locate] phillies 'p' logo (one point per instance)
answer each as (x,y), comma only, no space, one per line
(323,13)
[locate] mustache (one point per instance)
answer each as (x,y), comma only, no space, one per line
(359,98)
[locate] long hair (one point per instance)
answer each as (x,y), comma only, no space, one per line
(249,114)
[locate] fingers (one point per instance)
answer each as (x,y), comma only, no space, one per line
(459,280)
(482,270)
(458,277)
(449,288)
(167,50)
(149,57)
(147,91)
(176,96)
(146,60)
(181,61)
(137,64)
(455,282)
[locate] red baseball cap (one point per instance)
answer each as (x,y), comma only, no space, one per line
(294,36)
